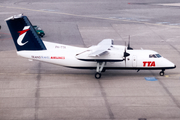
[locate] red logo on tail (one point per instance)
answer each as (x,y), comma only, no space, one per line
(23,31)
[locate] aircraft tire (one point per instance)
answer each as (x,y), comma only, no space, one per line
(161,73)
(98,75)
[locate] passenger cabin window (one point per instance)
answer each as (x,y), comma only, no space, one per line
(154,56)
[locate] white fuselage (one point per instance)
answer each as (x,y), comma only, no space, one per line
(65,55)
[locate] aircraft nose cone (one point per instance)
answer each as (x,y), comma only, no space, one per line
(169,64)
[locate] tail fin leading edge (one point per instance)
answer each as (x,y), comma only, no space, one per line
(23,34)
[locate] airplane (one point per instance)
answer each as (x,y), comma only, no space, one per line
(101,57)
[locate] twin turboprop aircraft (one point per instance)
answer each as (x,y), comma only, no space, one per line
(101,57)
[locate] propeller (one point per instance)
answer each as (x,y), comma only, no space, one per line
(125,54)
(129,48)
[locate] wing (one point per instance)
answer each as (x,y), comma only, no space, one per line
(101,48)
(97,53)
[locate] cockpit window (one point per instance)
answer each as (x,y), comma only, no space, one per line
(154,56)
(158,55)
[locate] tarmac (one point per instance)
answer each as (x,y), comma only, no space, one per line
(32,90)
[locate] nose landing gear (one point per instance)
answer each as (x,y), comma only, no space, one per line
(162,72)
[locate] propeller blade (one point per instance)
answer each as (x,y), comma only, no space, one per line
(129,48)
(125,54)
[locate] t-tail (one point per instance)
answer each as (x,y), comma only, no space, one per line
(23,33)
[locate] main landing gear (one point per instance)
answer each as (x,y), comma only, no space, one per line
(99,69)
(162,72)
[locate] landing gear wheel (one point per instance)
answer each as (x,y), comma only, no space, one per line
(98,75)
(161,73)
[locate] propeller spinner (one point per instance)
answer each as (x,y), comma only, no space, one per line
(125,54)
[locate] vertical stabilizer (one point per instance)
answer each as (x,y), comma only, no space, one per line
(23,34)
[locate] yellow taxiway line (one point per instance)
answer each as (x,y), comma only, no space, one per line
(86,16)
